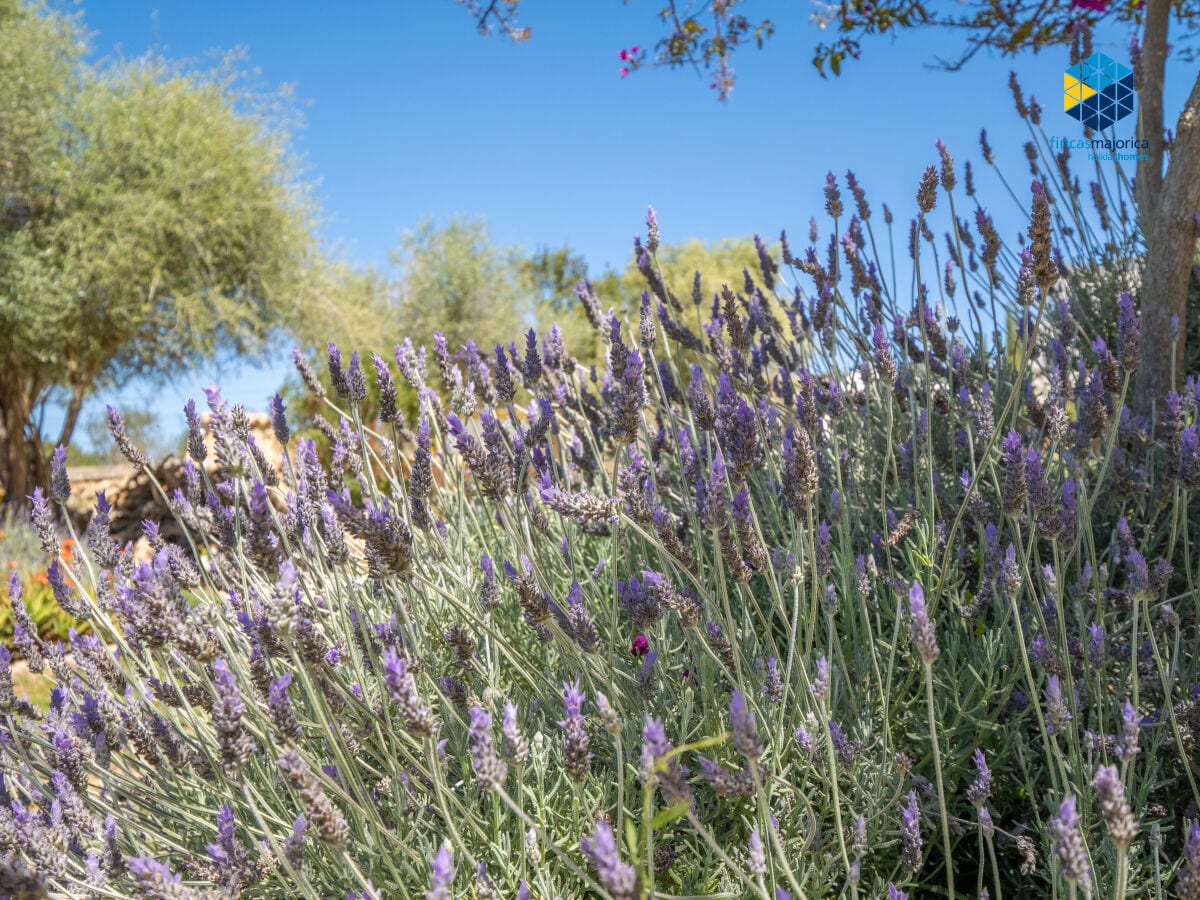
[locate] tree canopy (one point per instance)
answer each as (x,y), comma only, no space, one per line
(152,219)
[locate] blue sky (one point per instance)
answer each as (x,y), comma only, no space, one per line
(410,113)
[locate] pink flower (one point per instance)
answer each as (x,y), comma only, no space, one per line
(624,54)
(624,71)
(1094,5)
(634,49)
(640,646)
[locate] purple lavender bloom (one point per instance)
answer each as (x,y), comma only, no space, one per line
(910,832)
(65,594)
(280,706)
(1042,654)
(356,381)
(1095,649)
(489,592)
(337,375)
(1187,881)
(756,855)
(805,741)
(640,605)
(820,685)
(981,788)
(824,551)
(116,427)
(1122,827)
(516,748)
(920,627)
(651,229)
(1128,334)
(1068,845)
(155,879)
(43,521)
(1057,714)
(1189,458)
(1138,575)
(660,764)
(1013,490)
(894,893)
(196,448)
(418,717)
(618,878)
(745,730)
(502,378)
(833,197)
(227,852)
(1127,749)
(441,875)
(490,770)
(293,844)
(773,684)
(60,483)
(578,757)
(842,747)
(233,740)
(388,396)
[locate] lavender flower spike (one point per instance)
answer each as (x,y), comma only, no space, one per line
(1122,828)
(441,875)
(756,859)
(618,878)
(234,741)
(1127,749)
(659,763)
(578,757)
(820,685)
(1187,882)
(516,748)
(920,626)
(116,427)
(60,484)
(1068,845)
(910,828)
(490,770)
(981,788)
(155,879)
(327,819)
(745,730)
(417,716)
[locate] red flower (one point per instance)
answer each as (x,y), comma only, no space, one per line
(640,646)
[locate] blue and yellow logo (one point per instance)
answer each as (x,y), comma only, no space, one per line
(1098,91)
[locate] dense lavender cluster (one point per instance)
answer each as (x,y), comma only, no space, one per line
(745,593)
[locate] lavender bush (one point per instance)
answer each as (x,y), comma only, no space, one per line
(808,591)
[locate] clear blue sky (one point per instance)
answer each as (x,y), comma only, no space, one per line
(410,113)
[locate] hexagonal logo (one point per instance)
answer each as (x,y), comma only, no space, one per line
(1098,91)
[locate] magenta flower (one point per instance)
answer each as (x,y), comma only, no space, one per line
(640,646)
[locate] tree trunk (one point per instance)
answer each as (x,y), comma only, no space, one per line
(78,391)
(14,412)
(1150,75)
(1170,232)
